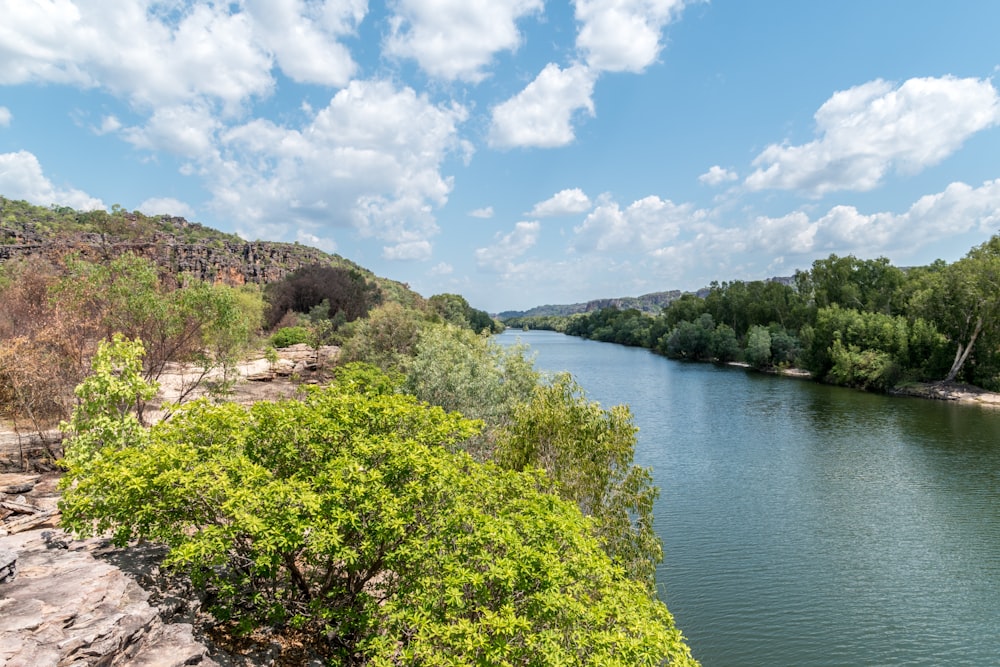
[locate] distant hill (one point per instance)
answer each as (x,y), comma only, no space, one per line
(651,303)
(647,303)
(176,245)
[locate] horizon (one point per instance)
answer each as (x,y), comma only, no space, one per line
(516,152)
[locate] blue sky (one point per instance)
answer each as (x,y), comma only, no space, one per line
(521,152)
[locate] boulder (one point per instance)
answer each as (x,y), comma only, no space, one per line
(68,608)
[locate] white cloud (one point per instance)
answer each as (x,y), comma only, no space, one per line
(441,269)
(21,177)
(717,175)
(303,36)
(484,213)
(108,125)
(186,130)
(866,131)
(411,250)
(166,206)
(324,244)
(499,258)
(623,35)
(958,209)
(541,115)
(148,52)
(370,160)
(456,39)
(564,202)
(5,117)
(161,53)
(646,225)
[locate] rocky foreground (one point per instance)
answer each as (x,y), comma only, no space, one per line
(84,603)
(65,602)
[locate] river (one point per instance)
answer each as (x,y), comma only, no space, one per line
(808,525)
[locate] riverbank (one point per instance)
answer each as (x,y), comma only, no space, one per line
(935,391)
(949,391)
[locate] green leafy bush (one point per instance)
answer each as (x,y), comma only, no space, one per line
(346,515)
(288,336)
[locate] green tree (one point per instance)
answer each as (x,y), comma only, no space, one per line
(690,340)
(469,373)
(346,515)
(210,325)
(724,345)
(588,452)
(963,300)
(106,417)
(758,352)
(387,338)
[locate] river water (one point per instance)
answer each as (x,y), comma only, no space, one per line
(807,525)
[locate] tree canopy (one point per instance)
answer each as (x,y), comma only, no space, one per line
(347,514)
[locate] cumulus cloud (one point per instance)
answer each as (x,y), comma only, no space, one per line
(542,114)
(717,175)
(138,50)
(21,177)
(456,39)
(185,130)
(166,206)
(959,208)
(484,213)
(441,269)
(645,225)
(370,160)
(109,124)
(623,35)
(499,258)
(304,37)
(158,54)
(411,250)
(871,129)
(564,202)
(5,117)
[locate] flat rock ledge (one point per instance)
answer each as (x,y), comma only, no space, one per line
(66,608)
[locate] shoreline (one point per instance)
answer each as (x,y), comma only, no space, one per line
(955,392)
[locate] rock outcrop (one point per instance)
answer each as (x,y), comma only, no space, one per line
(67,608)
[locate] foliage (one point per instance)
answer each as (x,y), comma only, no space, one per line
(387,338)
(454,309)
(903,347)
(690,340)
(610,325)
(588,452)
(963,300)
(862,368)
(343,514)
(288,336)
(42,354)
(109,401)
(724,345)
(462,371)
(852,283)
(758,352)
(198,322)
(344,294)
(540,322)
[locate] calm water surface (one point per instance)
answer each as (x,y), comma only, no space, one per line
(804,524)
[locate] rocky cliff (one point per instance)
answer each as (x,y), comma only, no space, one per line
(230,262)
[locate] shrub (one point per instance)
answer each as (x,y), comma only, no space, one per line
(344,516)
(288,336)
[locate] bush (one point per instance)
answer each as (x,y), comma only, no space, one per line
(343,516)
(758,352)
(288,336)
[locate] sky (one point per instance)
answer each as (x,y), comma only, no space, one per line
(521,152)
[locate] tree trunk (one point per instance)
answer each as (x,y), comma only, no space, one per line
(963,353)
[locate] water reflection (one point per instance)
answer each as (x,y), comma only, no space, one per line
(806,524)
